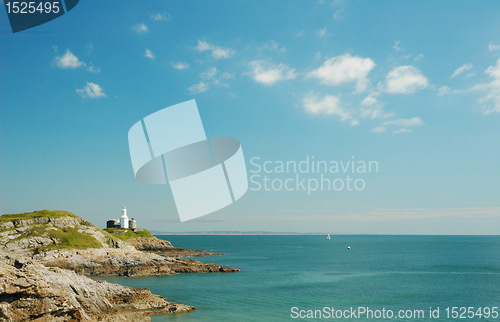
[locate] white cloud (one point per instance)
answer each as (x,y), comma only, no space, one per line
(322,33)
(328,105)
(370,99)
(418,57)
(91,90)
(372,108)
(493,47)
(274,46)
(494,71)
(203,46)
(198,88)
(149,54)
(461,69)
(209,74)
(217,52)
(227,75)
(397,46)
(414,121)
(159,16)
(269,73)
(402,124)
(345,69)
(140,28)
(93,69)
(215,76)
(374,112)
(338,14)
(401,131)
(491,100)
(180,66)
(379,129)
(68,60)
(405,80)
(446,90)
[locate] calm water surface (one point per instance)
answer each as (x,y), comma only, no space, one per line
(311,272)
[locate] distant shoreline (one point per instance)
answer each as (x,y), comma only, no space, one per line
(250,233)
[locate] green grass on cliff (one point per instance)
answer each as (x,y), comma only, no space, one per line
(125,234)
(70,237)
(67,237)
(36,214)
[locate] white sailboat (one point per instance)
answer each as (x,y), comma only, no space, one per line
(328,236)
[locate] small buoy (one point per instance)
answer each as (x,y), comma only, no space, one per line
(348,247)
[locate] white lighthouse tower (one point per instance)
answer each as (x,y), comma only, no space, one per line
(124,218)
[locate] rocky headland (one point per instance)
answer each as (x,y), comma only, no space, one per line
(165,248)
(45,256)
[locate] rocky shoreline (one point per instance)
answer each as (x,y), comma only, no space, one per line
(32,291)
(117,262)
(165,248)
(41,278)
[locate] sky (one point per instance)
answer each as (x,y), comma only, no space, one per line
(411,86)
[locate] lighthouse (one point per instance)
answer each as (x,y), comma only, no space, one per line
(124,218)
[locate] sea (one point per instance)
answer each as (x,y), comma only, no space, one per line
(345,278)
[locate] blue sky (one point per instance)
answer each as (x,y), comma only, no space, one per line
(413,86)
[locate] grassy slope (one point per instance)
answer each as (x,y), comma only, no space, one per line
(127,234)
(67,237)
(36,214)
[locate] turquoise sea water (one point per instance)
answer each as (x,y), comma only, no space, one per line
(311,272)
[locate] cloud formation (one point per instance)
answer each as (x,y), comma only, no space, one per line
(461,69)
(199,88)
(180,66)
(491,90)
(401,131)
(268,73)
(273,46)
(405,80)
(217,52)
(140,28)
(322,33)
(345,69)
(68,61)
(91,90)
(93,69)
(446,90)
(210,77)
(379,129)
(327,105)
(401,124)
(405,122)
(209,73)
(493,47)
(149,54)
(372,108)
(160,16)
